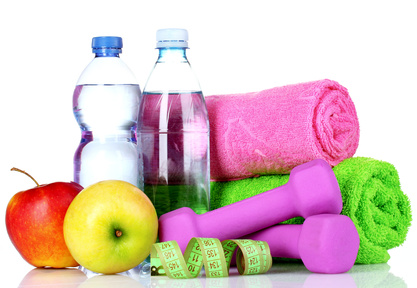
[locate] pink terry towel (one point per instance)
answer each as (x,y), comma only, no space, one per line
(272,131)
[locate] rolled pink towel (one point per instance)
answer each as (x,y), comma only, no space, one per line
(274,130)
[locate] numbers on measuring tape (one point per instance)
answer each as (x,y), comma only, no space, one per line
(252,257)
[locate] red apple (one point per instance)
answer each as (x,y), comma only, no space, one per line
(34,222)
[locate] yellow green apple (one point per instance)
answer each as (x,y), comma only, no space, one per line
(110,227)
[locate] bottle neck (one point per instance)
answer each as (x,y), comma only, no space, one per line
(172,73)
(172,54)
(107,54)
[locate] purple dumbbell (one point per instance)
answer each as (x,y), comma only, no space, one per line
(312,189)
(325,243)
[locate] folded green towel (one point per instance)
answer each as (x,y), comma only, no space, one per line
(372,198)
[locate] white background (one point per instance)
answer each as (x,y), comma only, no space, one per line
(369,47)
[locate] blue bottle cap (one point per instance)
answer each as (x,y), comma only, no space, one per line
(107,44)
(172,37)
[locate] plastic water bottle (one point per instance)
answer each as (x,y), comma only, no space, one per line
(106,102)
(173,130)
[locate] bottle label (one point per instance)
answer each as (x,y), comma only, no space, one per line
(252,257)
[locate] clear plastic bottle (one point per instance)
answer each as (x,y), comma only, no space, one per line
(105,104)
(173,130)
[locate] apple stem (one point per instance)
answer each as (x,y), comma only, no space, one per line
(118,233)
(21,171)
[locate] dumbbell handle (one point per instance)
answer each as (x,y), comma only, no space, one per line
(252,214)
(282,240)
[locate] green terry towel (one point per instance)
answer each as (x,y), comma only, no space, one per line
(372,198)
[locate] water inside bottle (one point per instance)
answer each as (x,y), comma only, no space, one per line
(107,116)
(173,134)
(100,107)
